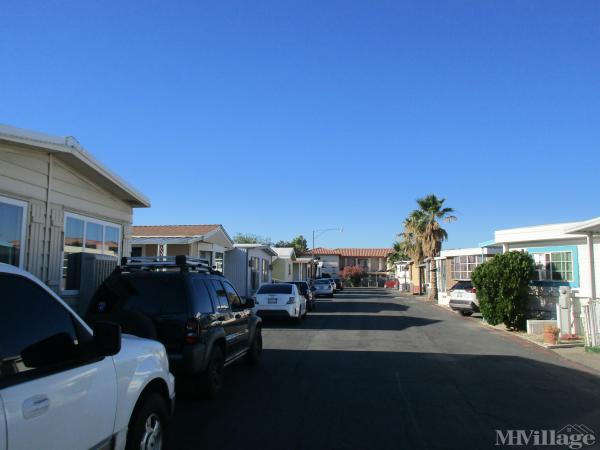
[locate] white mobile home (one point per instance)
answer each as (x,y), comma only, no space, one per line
(248,266)
(565,255)
(58,204)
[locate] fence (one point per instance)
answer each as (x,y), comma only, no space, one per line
(591,321)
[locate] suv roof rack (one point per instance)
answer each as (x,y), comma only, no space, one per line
(183,262)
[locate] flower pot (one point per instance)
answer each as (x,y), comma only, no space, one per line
(550,334)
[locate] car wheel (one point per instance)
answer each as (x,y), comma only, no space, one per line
(255,350)
(213,377)
(299,318)
(466,313)
(149,425)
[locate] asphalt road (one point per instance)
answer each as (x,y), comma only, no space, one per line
(370,370)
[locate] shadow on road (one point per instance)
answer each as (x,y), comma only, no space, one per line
(359,322)
(384,400)
(357,307)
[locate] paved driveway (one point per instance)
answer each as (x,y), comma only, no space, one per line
(370,370)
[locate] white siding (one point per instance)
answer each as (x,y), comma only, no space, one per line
(24,175)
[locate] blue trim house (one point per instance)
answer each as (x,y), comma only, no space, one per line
(564,255)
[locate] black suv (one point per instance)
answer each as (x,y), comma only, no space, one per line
(306,291)
(192,310)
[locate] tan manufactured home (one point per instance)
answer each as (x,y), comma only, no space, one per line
(57,204)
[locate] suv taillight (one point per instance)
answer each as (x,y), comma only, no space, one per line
(192,331)
(471,290)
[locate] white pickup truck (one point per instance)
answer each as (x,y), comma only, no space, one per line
(64,386)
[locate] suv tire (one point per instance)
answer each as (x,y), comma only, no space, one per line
(148,426)
(213,377)
(466,313)
(255,349)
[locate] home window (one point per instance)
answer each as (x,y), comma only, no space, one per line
(12,231)
(265,271)
(254,273)
(553,266)
(463,266)
(219,261)
(86,235)
(203,254)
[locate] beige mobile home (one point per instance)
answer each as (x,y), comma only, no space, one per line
(59,204)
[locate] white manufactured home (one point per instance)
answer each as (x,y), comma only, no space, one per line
(565,255)
(248,266)
(58,205)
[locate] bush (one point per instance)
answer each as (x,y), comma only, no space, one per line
(502,285)
(354,274)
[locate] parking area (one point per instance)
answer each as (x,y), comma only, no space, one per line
(371,369)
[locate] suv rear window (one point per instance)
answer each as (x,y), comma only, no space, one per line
(150,295)
(302,287)
(323,281)
(275,289)
(463,285)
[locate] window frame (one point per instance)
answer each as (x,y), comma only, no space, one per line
(470,266)
(86,219)
(550,264)
(24,205)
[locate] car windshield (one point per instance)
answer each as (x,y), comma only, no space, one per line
(277,288)
(322,282)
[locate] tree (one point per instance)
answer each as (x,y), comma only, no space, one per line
(298,243)
(353,273)
(248,238)
(399,253)
(431,211)
(412,236)
(502,285)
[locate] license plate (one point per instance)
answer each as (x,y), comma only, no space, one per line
(458,294)
(272,300)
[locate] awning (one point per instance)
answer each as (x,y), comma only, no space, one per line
(591,226)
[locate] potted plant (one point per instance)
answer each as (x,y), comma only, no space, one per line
(551,333)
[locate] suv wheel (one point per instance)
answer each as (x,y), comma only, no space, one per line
(466,313)
(255,349)
(213,377)
(148,426)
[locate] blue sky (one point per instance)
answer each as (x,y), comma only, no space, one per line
(279,117)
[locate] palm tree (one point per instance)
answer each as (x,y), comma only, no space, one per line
(412,235)
(399,253)
(431,211)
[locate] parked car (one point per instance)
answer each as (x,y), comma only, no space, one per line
(463,298)
(339,285)
(391,284)
(64,386)
(280,300)
(307,291)
(195,312)
(323,287)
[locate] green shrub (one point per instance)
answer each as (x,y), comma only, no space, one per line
(502,285)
